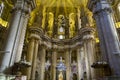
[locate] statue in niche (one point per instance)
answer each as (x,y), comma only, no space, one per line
(60,76)
(78,16)
(90,19)
(74,70)
(74,67)
(47,65)
(61,21)
(47,70)
(50,21)
(72,20)
(72,23)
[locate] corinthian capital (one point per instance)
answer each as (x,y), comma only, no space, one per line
(97,6)
(26,6)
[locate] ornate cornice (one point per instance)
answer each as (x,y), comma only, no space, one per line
(53,43)
(68,43)
(61,41)
(50,45)
(36,30)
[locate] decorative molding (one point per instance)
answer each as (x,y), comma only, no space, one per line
(74,42)
(35,32)
(58,44)
(88,37)
(87,30)
(87,33)
(34,36)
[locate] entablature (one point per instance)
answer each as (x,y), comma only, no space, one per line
(61,43)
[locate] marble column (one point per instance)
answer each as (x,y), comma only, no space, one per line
(89,48)
(20,11)
(34,60)
(68,64)
(21,40)
(80,63)
(54,63)
(29,56)
(42,60)
(32,52)
(107,33)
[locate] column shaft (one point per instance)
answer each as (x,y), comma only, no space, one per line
(88,73)
(29,56)
(54,63)
(43,54)
(80,61)
(32,51)
(102,40)
(33,70)
(8,58)
(89,48)
(68,70)
(21,41)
